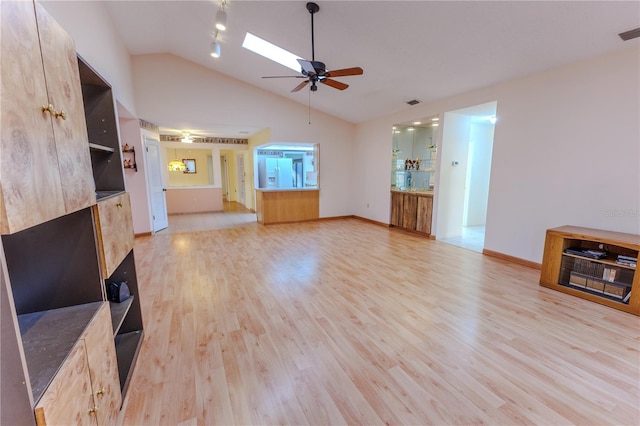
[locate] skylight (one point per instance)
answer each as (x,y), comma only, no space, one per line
(271,51)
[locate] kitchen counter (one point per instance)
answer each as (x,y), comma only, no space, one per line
(286,205)
(287,189)
(404,191)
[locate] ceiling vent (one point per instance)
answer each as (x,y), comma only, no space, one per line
(630,35)
(413,102)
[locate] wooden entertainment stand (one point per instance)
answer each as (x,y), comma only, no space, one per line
(610,279)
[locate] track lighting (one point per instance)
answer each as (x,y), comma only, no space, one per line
(215,49)
(221,17)
(215,46)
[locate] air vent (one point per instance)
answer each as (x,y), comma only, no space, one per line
(413,102)
(630,35)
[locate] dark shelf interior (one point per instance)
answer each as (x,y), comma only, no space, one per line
(54,264)
(102,129)
(127,349)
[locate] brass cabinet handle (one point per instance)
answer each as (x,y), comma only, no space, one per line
(51,110)
(93,410)
(119,205)
(48,108)
(101,392)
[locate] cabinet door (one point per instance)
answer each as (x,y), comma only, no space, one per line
(424,213)
(30,180)
(115,231)
(397,213)
(103,366)
(68,399)
(410,205)
(65,94)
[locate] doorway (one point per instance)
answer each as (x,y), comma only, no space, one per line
(465,169)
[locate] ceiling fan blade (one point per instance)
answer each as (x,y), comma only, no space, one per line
(300,86)
(335,84)
(344,72)
(307,66)
(284,76)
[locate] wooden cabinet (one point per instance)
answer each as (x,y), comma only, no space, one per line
(103,366)
(63,354)
(286,206)
(412,211)
(45,164)
(592,264)
(115,231)
(68,399)
(85,390)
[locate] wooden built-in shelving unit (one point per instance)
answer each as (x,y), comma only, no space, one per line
(603,278)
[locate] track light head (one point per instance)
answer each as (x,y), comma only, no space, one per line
(221,19)
(215,49)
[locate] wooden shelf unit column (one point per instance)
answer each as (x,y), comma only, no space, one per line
(614,243)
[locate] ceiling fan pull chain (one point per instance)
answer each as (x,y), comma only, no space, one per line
(310,106)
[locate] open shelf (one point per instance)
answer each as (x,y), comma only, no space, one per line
(127,349)
(48,337)
(119,312)
(602,280)
(101,148)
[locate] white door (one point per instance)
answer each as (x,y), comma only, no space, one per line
(241,176)
(153,161)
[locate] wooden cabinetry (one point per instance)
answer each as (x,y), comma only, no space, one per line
(85,390)
(69,399)
(607,279)
(287,205)
(412,211)
(45,164)
(62,353)
(114,230)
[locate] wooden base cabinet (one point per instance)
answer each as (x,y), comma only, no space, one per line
(593,264)
(85,391)
(412,211)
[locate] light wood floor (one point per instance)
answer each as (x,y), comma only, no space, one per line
(346,322)
(234,214)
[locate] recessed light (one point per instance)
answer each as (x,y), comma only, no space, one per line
(410,129)
(417,123)
(435,119)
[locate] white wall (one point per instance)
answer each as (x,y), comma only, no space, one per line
(97,42)
(566,151)
(171,90)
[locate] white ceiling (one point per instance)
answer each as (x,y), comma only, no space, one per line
(425,50)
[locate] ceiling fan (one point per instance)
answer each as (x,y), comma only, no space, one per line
(315,71)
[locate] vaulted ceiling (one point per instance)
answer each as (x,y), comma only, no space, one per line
(425,50)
